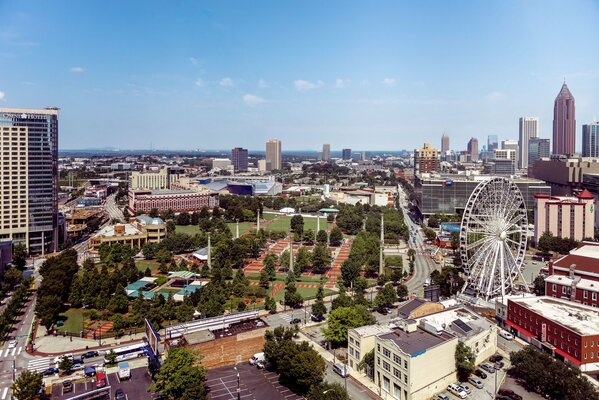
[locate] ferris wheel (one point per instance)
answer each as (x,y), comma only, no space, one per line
(493,238)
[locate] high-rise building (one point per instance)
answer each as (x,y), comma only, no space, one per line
(492,143)
(426,160)
(537,148)
(528,129)
(29,176)
(473,149)
(326,152)
(564,123)
(239,158)
(511,145)
(273,154)
(590,140)
(346,154)
(444,143)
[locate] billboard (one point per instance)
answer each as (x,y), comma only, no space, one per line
(153,337)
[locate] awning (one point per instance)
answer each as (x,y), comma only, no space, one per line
(568,356)
(520,329)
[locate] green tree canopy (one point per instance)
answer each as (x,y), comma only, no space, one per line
(27,385)
(344,318)
(181,376)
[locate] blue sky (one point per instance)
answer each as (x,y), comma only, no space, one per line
(365,75)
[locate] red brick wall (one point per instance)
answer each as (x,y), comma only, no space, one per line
(221,352)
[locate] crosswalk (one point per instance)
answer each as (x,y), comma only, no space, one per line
(15,351)
(40,364)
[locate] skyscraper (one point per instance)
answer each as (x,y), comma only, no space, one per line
(273,153)
(426,160)
(473,149)
(537,148)
(346,154)
(29,191)
(590,140)
(564,122)
(326,152)
(528,128)
(444,143)
(239,158)
(492,143)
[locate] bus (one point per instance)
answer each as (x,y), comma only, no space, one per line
(128,352)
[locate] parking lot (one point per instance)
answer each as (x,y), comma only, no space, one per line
(486,392)
(135,388)
(254,383)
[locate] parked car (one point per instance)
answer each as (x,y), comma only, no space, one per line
(499,364)
(495,358)
(317,319)
(59,358)
(509,393)
(506,335)
(457,391)
(295,321)
(77,367)
(442,396)
(465,388)
(50,371)
(89,354)
(477,383)
(89,371)
(67,386)
(100,380)
(480,374)
(119,395)
(256,358)
(488,367)
(342,370)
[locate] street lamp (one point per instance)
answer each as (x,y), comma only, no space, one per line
(238,389)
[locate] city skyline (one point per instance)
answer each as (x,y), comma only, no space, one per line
(228,78)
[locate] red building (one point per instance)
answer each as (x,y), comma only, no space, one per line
(176,200)
(567,330)
(575,276)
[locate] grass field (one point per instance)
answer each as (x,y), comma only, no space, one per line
(307,293)
(282,224)
(73,322)
(281,278)
(193,229)
(143,264)
(189,229)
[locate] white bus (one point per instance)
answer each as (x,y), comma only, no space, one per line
(128,352)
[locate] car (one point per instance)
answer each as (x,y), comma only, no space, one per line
(100,380)
(90,354)
(495,358)
(89,371)
(77,367)
(67,386)
(50,371)
(442,396)
(77,362)
(480,374)
(457,390)
(58,358)
(295,321)
(119,395)
(342,370)
(510,394)
(499,365)
(477,383)
(465,388)
(506,335)
(12,344)
(488,367)
(383,311)
(316,318)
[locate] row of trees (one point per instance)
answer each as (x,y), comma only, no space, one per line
(548,243)
(181,377)
(14,305)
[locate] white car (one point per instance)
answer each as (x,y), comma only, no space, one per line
(12,344)
(506,335)
(465,388)
(457,390)
(476,382)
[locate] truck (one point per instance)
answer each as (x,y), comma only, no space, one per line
(124,371)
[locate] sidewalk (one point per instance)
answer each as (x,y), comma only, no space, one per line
(328,357)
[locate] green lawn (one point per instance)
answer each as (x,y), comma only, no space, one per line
(269,216)
(283,222)
(189,229)
(307,293)
(281,278)
(143,264)
(73,322)
(243,227)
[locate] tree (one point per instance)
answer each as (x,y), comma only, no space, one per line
(65,364)
(27,385)
(429,233)
(328,391)
(344,318)
(335,237)
(318,308)
(19,255)
(367,363)
(269,266)
(350,271)
(308,236)
(270,304)
(545,243)
(111,357)
(297,224)
(180,376)
(386,297)
(292,297)
(48,308)
(464,361)
(153,213)
(321,258)
(303,261)
(539,285)
(306,370)
(322,237)
(402,291)
(12,277)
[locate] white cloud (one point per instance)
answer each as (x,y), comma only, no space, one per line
(341,83)
(263,84)
(77,69)
(495,96)
(303,85)
(227,82)
(194,61)
(389,82)
(2,95)
(252,100)
(199,82)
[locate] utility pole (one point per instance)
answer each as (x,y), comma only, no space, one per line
(382,246)
(317,223)
(291,259)
(209,253)
(258,221)
(237,229)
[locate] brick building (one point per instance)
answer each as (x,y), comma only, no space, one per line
(426,160)
(565,216)
(567,330)
(176,200)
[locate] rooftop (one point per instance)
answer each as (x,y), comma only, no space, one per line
(585,258)
(577,317)
(411,305)
(372,330)
(417,342)
(581,283)
(460,321)
(109,231)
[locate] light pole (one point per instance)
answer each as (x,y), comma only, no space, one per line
(238,389)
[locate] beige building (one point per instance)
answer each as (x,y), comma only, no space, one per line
(426,160)
(140,230)
(160,180)
(565,216)
(273,154)
(361,340)
(563,174)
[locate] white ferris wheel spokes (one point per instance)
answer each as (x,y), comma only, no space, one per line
(493,238)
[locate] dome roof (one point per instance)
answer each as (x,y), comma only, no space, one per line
(157,221)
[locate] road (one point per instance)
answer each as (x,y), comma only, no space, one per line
(112,209)
(423,264)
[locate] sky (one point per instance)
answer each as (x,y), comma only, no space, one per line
(377,75)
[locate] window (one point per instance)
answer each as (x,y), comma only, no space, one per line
(396,391)
(386,366)
(594,296)
(386,352)
(592,355)
(563,290)
(405,378)
(396,373)
(405,364)
(585,294)
(386,383)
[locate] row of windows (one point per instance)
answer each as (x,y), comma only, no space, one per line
(396,358)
